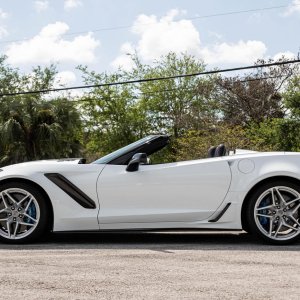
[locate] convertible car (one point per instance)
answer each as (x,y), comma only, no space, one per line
(254,191)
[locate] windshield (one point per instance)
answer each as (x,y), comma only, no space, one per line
(111,156)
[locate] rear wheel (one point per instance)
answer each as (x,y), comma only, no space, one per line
(273,212)
(23,213)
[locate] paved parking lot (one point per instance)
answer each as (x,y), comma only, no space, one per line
(193,265)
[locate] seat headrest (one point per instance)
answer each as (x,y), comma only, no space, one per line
(211,151)
(220,151)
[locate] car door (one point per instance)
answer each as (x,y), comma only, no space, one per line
(174,192)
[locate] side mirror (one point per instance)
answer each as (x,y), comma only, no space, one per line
(137,159)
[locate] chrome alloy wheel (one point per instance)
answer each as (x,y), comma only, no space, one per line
(277,213)
(19,213)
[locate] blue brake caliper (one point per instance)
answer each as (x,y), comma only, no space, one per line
(31,212)
(264,221)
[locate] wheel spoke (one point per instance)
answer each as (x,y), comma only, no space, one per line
(265,207)
(16,230)
(280,196)
(279,227)
(8,229)
(295,200)
(22,200)
(31,218)
(289,226)
(11,198)
(28,204)
(296,208)
(6,204)
(271,227)
(295,221)
(19,213)
(26,224)
(278,218)
(262,215)
(273,197)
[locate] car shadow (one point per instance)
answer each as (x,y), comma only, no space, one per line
(156,241)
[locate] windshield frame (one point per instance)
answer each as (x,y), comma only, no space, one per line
(149,145)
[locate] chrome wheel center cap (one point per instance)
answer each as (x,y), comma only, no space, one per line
(15,214)
(280,213)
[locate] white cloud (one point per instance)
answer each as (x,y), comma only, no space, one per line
(64,78)
(124,59)
(3,32)
(294,7)
(3,14)
(41,5)
(241,52)
(158,37)
(287,55)
(70,4)
(50,46)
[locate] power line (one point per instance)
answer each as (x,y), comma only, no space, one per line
(176,20)
(151,79)
(138,95)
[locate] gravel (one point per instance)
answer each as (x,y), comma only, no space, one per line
(164,265)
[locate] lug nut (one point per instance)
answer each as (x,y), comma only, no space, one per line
(12,208)
(9,214)
(20,216)
(274,212)
(19,209)
(278,207)
(277,218)
(15,219)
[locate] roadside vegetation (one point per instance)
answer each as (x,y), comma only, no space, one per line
(259,110)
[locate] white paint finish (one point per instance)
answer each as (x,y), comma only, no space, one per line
(160,196)
(246,166)
(175,192)
(68,214)
(266,166)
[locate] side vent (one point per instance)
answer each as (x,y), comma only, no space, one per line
(72,190)
(222,212)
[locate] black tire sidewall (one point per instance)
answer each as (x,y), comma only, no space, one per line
(44,216)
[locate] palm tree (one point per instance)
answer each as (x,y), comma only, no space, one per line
(39,129)
(33,127)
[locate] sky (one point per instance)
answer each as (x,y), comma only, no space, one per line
(104,34)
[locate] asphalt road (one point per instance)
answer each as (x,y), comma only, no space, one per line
(227,265)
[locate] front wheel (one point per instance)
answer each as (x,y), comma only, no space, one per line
(23,213)
(273,212)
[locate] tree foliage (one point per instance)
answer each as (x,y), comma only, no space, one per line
(32,127)
(260,111)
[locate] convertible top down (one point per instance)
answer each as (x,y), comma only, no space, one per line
(254,191)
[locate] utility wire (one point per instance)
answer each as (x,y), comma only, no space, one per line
(149,24)
(140,94)
(151,79)
(137,95)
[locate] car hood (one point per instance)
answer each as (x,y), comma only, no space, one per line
(68,161)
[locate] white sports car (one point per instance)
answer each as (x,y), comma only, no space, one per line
(257,192)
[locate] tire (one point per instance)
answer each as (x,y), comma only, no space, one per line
(273,212)
(24,214)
